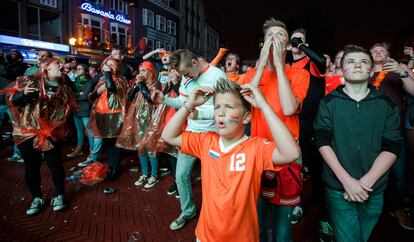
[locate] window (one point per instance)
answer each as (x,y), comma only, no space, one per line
(168,48)
(119,6)
(189,20)
(43,25)
(150,44)
(119,34)
(171,27)
(9,19)
(195,42)
(160,23)
(49,3)
(147,17)
(188,39)
(95,25)
(99,2)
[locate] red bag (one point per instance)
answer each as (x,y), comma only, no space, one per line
(94,173)
(283,187)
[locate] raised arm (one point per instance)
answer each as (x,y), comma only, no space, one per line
(287,150)
(172,131)
(264,57)
(149,54)
(219,56)
(288,101)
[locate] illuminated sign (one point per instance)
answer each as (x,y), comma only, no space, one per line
(93,9)
(33,43)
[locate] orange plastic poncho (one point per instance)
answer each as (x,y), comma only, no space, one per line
(108,110)
(43,118)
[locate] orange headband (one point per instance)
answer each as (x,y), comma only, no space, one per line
(148,65)
(165,53)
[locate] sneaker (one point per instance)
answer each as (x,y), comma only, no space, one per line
(404,220)
(85,163)
(172,189)
(76,152)
(57,203)
(179,222)
(14,158)
(141,180)
(296,214)
(35,206)
(151,182)
(325,232)
(164,169)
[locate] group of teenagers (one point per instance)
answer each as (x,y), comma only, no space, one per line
(238,125)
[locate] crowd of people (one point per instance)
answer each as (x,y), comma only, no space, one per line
(258,132)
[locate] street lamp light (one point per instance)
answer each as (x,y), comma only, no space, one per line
(72,41)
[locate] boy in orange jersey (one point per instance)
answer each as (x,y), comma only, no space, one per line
(231,162)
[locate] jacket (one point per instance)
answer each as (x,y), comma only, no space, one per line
(357,132)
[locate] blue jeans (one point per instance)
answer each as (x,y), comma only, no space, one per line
(182,177)
(4,110)
(143,160)
(353,221)
(95,144)
(281,221)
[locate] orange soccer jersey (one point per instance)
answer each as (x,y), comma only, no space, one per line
(299,82)
(231,184)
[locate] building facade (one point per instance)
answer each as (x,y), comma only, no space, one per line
(192,24)
(157,23)
(211,40)
(31,25)
(97,26)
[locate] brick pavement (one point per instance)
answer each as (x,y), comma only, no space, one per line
(93,216)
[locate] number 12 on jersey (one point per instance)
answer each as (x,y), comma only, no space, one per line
(237,162)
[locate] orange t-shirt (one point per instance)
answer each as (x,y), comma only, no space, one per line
(333,82)
(234,77)
(299,82)
(231,184)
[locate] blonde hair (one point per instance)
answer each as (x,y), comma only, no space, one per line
(272,22)
(223,86)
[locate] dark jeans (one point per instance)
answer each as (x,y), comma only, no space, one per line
(396,188)
(280,218)
(33,161)
(314,161)
(353,221)
(113,153)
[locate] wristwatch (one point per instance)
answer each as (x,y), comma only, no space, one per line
(405,74)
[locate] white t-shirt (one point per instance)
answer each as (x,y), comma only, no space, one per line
(208,78)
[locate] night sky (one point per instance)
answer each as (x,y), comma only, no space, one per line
(330,24)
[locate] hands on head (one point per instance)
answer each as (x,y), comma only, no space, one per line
(201,95)
(275,46)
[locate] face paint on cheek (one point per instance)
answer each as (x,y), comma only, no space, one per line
(234,119)
(346,69)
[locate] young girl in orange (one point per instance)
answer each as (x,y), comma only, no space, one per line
(137,121)
(108,112)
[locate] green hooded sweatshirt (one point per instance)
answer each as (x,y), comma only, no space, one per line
(357,132)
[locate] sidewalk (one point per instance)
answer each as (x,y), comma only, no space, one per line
(93,216)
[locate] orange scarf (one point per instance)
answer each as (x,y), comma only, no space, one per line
(379,79)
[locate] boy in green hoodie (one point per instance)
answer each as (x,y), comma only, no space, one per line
(357,133)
